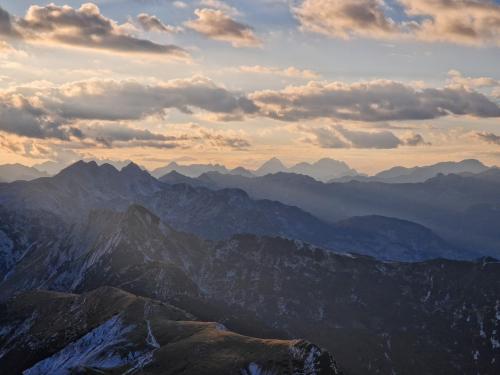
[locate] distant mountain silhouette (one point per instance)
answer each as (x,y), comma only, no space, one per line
(323,170)
(19,172)
(420,174)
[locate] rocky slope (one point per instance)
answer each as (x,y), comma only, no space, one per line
(108,331)
(376,317)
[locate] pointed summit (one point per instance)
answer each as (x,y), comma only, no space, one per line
(271,166)
(132,169)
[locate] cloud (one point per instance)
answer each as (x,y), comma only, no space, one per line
(456,78)
(224,141)
(217,4)
(6,25)
(475,22)
(324,137)
(337,136)
(153,23)
(85,27)
(217,25)
(131,100)
(21,116)
(291,71)
(180,4)
(416,140)
(58,112)
(111,134)
(470,22)
(346,18)
(489,138)
(361,139)
(372,101)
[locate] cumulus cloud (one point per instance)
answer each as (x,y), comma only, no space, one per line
(85,27)
(346,18)
(153,23)
(456,78)
(372,101)
(473,22)
(215,24)
(69,112)
(291,72)
(129,100)
(489,138)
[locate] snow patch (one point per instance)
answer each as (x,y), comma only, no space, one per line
(151,339)
(255,369)
(95,349)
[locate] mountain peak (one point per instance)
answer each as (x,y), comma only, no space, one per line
(79,167)
(132,168)
(273,165)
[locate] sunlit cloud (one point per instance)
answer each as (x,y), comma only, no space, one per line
(290,72)
(468,22)
(217,25)
(85,27)
(379,100)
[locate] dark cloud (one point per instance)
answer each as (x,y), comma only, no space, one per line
(361,139)
(371,102)
(153,23)
(215,24)
(84,27)
(489,138)
(416,140)
(340,137)
(6,25)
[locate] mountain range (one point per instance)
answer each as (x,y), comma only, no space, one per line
(433,317)
(462,209)
(325,170)
(219,214)
(16,172)
(420,174)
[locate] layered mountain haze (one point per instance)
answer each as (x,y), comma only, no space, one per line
(462,209)
(214,214)
(324,169)
(19,172)
(420,174)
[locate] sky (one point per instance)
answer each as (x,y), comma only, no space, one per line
(374,83)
